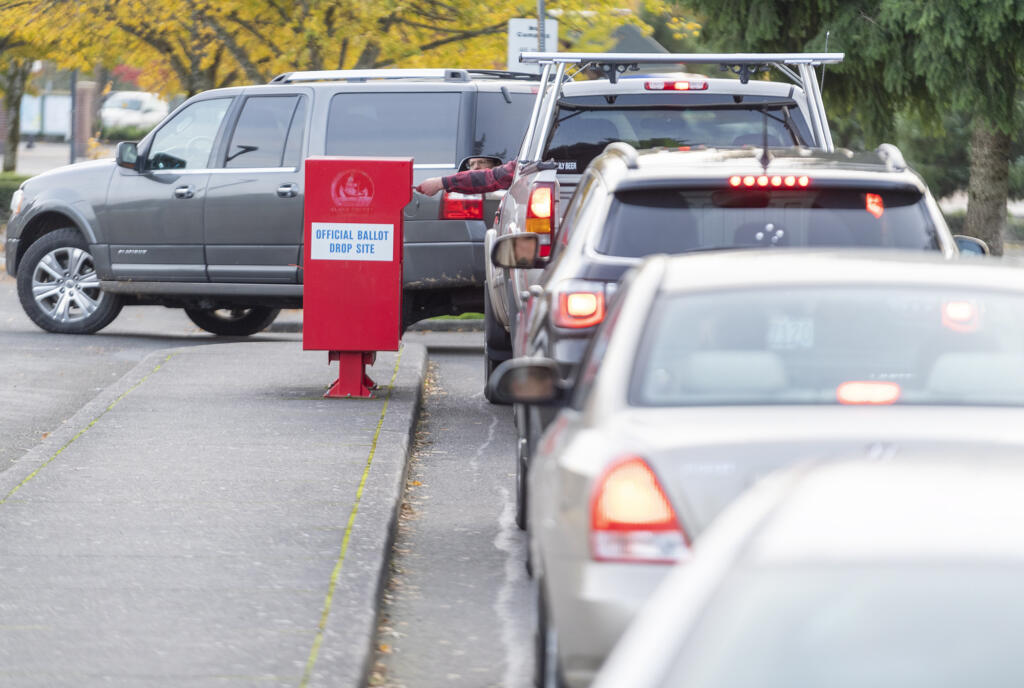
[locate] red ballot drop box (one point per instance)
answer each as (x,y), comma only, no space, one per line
(352,262)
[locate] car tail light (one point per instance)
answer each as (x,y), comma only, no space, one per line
(687,85)
(776,181)
(459,206)
(540,209)
(579,304)
(631,518)
(873,204)
(868,393)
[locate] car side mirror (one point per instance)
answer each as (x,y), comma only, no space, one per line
(971,246)
(128,155)
(528,381)
(483,162)
(517,251)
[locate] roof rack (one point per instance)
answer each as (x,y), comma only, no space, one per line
(798,67)
(361,75)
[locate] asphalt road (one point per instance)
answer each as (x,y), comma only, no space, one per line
(45,378)
(458,609)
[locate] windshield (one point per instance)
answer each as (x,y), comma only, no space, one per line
(833,345)
(646,221)
(897,626)
(584,125)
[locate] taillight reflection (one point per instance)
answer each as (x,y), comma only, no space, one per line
(631,518)
(868,393)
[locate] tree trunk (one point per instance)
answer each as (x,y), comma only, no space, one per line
(14,79)
(988,187)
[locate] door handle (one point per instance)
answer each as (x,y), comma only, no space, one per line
(287,191)
(184,192)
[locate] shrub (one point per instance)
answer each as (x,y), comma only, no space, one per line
(115,134)
(9,183)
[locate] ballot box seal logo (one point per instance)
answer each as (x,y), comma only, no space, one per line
(352,189)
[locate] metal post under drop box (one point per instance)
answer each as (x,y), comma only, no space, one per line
(352,263)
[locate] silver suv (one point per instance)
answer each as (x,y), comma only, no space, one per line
(572,122)
(205,213)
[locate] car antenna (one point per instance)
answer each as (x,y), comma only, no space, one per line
(765,158)
(823,65)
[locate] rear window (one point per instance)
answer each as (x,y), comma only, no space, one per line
(833,345)
(586,124)
(646,221)
(422,125)
(500,125)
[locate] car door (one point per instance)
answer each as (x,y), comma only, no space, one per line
(253,212)
(153,217)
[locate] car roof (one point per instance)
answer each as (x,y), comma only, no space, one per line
(916,508)
(759,269)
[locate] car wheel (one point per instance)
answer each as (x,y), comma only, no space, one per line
(58,286)
(233,322)
(546,670)
(497,344)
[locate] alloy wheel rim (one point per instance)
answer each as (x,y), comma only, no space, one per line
(65,285)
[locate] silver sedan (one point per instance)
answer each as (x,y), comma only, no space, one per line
(849,574)
(712,370)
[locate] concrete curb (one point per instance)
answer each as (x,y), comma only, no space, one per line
(364,574)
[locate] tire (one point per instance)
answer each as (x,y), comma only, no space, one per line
(233,322)
(497,344)
(58,286)
(521,487)
(546,670)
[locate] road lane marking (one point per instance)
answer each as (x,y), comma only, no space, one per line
(81,432)
(336,573)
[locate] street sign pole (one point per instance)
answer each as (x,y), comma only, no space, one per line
(540,26)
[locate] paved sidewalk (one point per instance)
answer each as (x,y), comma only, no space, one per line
(209,520)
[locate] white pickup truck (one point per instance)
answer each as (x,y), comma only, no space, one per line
(573,121)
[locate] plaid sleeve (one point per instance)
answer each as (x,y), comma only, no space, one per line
(481,181)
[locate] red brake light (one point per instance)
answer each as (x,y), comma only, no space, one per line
(869,393)
(688,85)
(631,518)
(540,209)
(457,206)
(777,181)
(580,307)
(874,205)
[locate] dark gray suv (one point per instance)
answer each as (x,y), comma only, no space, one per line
(205,213)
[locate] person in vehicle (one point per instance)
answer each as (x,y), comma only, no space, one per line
(475,180)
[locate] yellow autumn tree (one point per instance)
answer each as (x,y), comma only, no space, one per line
(193,45)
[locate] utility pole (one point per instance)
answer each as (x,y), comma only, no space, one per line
(74,110)
(540,26)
